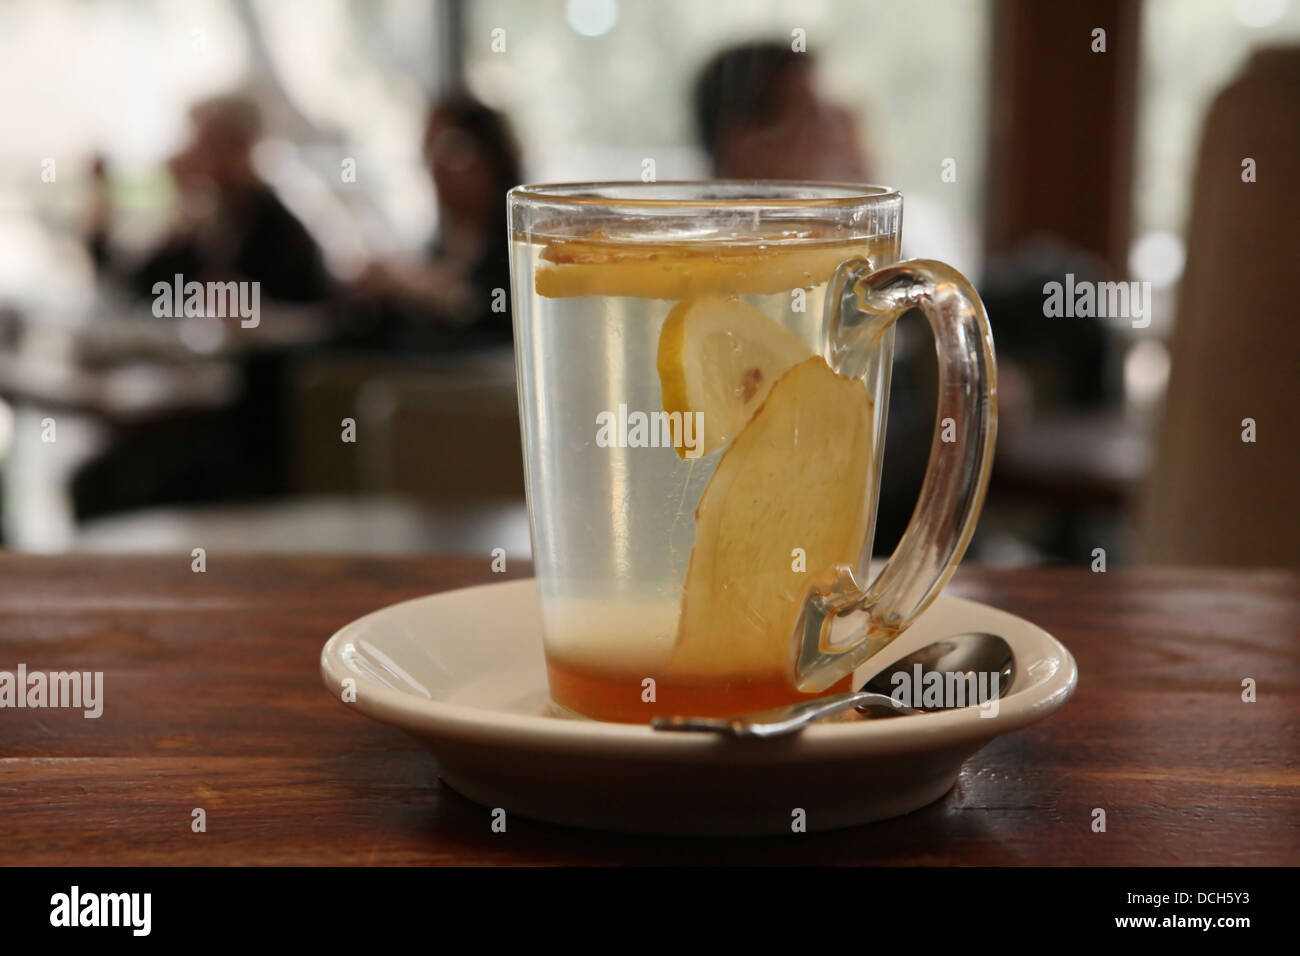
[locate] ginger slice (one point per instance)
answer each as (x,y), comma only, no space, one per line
(579,267)
(796,477)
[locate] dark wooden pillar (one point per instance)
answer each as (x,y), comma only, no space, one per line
(1062,124)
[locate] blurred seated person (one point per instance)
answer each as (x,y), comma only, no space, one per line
(759,115)
(444,298)
(229,224)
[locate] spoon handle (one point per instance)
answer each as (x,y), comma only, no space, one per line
(783,720)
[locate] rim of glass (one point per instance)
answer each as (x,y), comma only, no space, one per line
(622,193)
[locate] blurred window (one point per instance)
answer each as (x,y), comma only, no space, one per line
(337,80)
(1190,51)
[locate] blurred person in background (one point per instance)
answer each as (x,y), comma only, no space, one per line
(445,297)
(759,115)
(228,224)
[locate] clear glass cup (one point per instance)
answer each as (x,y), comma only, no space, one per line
(703,382)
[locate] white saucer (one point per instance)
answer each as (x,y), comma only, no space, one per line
(463,671)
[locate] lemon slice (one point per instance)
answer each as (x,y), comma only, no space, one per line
(720,357)
(796,477)
(582,267)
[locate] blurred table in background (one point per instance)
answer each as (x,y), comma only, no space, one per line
(107,368)
(326,524)
(1098,458)
(1062,486)
(434,430)
(122,364)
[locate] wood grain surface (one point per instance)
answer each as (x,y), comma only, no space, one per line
(213,699)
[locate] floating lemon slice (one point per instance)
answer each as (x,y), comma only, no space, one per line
(580,267)
(796,477)
(720,357)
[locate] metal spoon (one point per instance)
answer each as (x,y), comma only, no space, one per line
(975,652)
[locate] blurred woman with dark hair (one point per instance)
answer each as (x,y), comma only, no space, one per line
(450,298)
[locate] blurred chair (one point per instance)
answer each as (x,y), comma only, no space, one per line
(443,432)
(1212,498)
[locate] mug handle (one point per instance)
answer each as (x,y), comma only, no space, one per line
(862,305)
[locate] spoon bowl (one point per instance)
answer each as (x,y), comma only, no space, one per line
(974,654)
(963,656)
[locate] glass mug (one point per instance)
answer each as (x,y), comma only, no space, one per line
(703,373)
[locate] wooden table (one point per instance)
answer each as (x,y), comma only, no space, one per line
(213,700)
